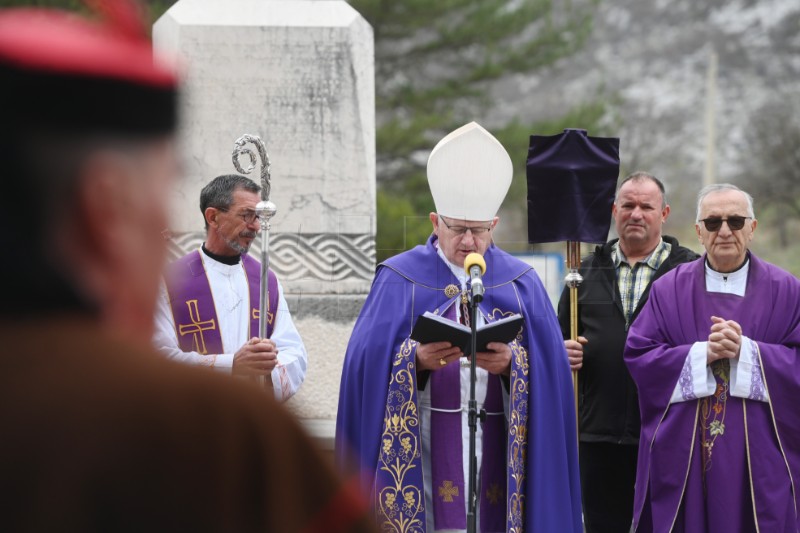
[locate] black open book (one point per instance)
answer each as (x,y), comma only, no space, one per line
(435,328)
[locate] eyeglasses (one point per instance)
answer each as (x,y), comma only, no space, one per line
(248,216)
(461,230)
(735,223)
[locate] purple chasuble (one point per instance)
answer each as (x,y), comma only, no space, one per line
(192,303)
(447,468)
(720,454)
(718,463)
(378,421)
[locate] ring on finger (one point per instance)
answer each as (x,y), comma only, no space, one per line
(442,362)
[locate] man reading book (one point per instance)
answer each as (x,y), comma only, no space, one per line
(402,417)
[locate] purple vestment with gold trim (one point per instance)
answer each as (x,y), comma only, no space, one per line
(378,422)
(192,304)
(714,464)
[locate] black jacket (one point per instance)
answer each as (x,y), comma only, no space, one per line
(608,403)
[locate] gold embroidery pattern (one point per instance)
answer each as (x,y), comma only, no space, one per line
(451,290)
(399,504)
(497,314)
(517,430)
(256,314)
(196,328)
(712,417)
(447,491)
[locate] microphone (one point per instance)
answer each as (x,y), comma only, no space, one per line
(475,266)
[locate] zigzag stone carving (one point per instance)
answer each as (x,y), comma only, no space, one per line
(299,256)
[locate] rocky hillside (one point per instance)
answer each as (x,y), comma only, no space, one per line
(650,60)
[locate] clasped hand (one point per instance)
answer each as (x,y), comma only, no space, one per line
(724,341)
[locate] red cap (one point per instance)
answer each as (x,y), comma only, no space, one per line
(65,71)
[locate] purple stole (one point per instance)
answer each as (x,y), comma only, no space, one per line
(721,442)
(447,470)
(749,458)
(193,309)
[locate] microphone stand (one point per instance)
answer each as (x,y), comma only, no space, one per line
(474,416)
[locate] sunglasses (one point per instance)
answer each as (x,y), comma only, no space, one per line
(735,223)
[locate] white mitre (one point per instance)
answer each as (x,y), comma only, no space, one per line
(469,173)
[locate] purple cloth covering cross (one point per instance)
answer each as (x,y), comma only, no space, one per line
(571,182)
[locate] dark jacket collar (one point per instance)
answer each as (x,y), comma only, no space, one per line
(603,251)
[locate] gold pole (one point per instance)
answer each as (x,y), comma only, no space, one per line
(573,280)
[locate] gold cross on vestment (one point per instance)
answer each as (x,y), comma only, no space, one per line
(447,491)
(256,314)
(493,493)
(197,327)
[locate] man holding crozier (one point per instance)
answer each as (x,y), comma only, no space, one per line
(208,311)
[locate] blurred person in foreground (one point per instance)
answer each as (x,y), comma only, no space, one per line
(212,295)
(99,432)
(714,354)
(616,281)
(403,405)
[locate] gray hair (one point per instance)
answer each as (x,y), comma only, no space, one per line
(640,175)
(719,187)
(219,192)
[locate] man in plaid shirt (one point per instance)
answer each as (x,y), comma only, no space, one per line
(616,281)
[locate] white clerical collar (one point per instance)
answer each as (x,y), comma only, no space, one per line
(458,271)
(210,262)
(727,282)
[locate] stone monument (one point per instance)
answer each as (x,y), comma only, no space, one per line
(300,75)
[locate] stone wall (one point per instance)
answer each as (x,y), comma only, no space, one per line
(300,75)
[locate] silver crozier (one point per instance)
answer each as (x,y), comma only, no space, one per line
(265,210)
